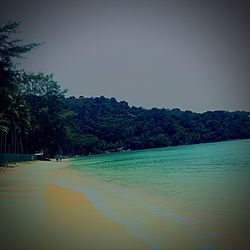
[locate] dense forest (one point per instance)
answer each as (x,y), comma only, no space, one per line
(36,116)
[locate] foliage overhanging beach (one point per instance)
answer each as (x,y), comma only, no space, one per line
(35,115)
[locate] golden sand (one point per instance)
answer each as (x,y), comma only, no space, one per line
(72,222)
(37,214)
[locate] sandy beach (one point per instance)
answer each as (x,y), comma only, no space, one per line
(41,208)
(37,214)
(46,205)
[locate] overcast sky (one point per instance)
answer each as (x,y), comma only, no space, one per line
(187,54)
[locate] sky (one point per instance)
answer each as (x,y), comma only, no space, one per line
(192,55)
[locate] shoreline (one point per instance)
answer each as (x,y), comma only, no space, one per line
(42,215)
(136,211)
(45,205)
(50,214)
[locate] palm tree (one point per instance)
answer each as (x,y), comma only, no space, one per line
(22,125)
(19,117)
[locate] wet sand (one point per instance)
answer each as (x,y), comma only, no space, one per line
(38,214)
(132,209)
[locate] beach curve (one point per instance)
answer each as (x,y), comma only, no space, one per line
(38,214)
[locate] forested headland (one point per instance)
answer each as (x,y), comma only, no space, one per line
(36,116)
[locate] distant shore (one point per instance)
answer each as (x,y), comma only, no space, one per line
(38,214)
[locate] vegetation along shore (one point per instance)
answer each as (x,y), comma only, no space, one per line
(37,117)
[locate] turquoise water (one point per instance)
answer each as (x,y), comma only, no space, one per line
(203,171)
(205,182)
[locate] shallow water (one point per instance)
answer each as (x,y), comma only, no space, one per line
(205,187)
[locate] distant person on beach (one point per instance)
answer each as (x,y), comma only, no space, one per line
(60,158)
(57,158)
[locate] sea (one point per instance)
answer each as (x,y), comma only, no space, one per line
(180,197)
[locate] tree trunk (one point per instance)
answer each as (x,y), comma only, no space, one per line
(12,142)
(5,142)
(17,144)
(1,146)
(21,144)
(15,141)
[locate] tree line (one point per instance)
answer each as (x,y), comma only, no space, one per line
(36,116)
